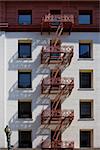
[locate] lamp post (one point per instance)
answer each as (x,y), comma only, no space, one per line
(8,135)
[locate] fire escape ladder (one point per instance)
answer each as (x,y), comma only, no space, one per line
(58,130)
(57,99)
(58,33)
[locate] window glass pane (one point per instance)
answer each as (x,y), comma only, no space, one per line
(85,19)
(85,110)
(84,51)
(25,17)
(25,140)
(24,80)
(85,80)
(24,110)
(55,56)
(24,50)
(85,139)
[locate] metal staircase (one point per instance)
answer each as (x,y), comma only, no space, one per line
(60,88)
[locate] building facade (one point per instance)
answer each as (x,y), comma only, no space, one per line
(49,74)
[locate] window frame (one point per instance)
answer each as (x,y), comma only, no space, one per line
(86,12)
(30,50)
(91,109)
(20,139)
(22,116)
(26,72)
(90,51)
(91,80)
(25,12)
(91,137)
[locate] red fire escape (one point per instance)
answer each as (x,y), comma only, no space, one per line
(57,57)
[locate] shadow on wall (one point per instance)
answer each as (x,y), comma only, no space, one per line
(15,63)
(38,102)
(24,124)
(15,93)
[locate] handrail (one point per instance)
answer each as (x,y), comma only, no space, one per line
(56,81)
(57,113)
(58,18)
(62,49)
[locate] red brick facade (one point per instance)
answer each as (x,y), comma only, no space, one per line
(9,13)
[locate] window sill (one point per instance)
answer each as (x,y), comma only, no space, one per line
(25,119)
(24,58)
(85,89)
(25,89)
(85,59)
(85,148)
(24,24)
(86,119)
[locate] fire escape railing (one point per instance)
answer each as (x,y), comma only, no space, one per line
(48,144)
(54,85)
(52,115)
(53,55)
(52,21)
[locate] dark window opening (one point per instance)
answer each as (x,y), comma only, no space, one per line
(85,17)
(25,140)
(85,79)
(84,50)
(85,138)
(56,20)
(24,80)
(55,55)
(25,17)
(24,110)
(24,50)
(85,110)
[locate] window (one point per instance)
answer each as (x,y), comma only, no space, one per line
(24,110)
(25,17)
(56,20)
(86,138)
(55,55)
(86,77)
(85,17)
(86,109)
(84,50)
(24,79)
(25,140)
(24,50)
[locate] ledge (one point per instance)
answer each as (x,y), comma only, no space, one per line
(25,119)
(86,119)
(28,89)
(22,59)
(85,59)
(85,89)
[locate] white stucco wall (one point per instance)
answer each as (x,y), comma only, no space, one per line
(10,42)
(2,89)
